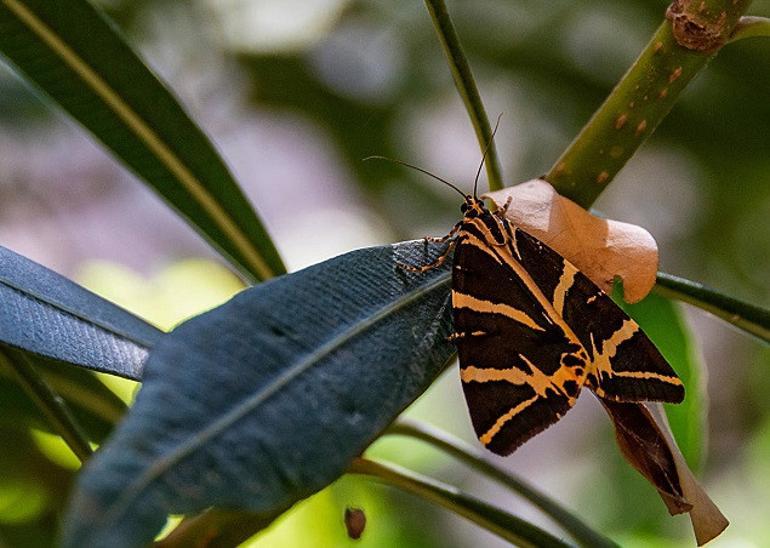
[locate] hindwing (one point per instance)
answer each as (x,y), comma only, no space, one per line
(521,365)
(625,365)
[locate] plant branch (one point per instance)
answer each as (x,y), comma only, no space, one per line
(49,402)
(466,86)
(505,525)
(220,528)
(751,27)
(750,318)
(476,459)
(683,44)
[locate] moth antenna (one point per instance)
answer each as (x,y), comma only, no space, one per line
(421,170)
(484,155)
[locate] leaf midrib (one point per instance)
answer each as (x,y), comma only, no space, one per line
(64,309)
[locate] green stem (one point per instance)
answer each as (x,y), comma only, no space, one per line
(505,525)
(678,50)
(219,528)
(476,459)
(48,401)
(747,317)
(750,27)
(466,86)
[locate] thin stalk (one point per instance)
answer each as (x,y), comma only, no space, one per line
(749,318)
(580,531)
(751,27)
(48,401)
(492,519)
(219,528)
(466,86)
(682,46)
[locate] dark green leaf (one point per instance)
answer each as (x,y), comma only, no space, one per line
(662,321)
(94,405)
(47,314)
(72,53)
(269,397)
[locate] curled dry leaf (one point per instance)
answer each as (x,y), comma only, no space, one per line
(602,249)
(646,443)
(708,522)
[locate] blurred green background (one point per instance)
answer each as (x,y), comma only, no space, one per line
(295,93)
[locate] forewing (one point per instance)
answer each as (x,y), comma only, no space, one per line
(520,371)
(625,365)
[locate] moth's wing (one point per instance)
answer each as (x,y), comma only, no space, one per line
(520,372)
(625,365)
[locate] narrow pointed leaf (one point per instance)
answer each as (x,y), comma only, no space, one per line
(77,57)
(47,314)
(269,397)
(94,405)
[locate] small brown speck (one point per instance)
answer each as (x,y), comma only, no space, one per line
(616,151)
(621,121)
(641,127)
(657,47)
(560,168)
(702,6)
(646,97)
(663,93)
(675,75)
(602,177)
(632,104)
(355,522)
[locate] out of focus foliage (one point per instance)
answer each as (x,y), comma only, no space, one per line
(296,93)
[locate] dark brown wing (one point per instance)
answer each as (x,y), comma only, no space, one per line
(521,367)
(625,365)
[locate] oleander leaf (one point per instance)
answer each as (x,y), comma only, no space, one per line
(75,55)
(49,315)
(268,398)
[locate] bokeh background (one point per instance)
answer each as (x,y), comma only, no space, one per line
(295,93)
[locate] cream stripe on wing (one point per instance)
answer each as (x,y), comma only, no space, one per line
(648,375)
(461,300)
(534,289)
(602,365)
(565,282)
(486,439)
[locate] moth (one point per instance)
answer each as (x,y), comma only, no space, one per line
(531,330)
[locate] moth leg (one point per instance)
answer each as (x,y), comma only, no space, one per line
(501,211)
(430,266)
(463,334)
(442,239)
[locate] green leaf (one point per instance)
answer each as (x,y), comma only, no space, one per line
(269,397)
(47,314)
(77,57)
(662,321)
(94,405)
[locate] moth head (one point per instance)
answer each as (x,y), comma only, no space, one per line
(472,207)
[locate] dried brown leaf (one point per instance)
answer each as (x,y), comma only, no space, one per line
(645,440)
(601,248)
(708,522)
